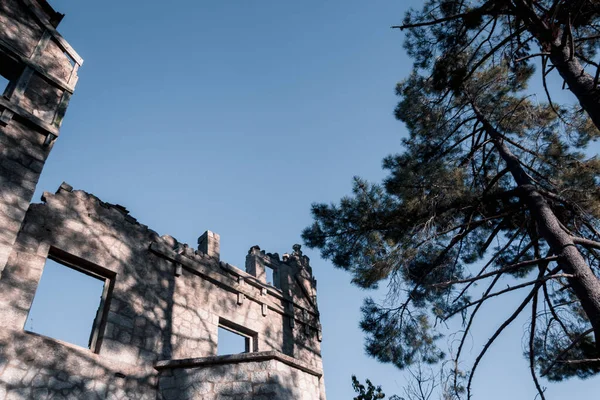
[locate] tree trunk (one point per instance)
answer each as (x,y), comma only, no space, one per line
(585,284)
(560,48)
(580,83)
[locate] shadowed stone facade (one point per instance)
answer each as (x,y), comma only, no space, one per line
(41,69)
(155,334)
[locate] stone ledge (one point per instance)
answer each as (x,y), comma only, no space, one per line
(20,111)
(238,358)
(67,86)
(57,36)
(45,346)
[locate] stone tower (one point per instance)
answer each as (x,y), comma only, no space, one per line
(39,73)
(164,305)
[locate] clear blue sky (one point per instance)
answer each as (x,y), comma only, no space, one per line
(235,116)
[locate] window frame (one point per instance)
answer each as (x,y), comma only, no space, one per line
(276,275)
(11,70)
(95,271)
(251,337)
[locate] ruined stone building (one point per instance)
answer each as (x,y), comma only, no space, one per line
(155,334)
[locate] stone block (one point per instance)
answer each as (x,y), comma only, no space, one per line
(12,376)
(209,244)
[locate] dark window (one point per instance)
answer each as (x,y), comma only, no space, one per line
(234,339)
(69,304)
(10,71)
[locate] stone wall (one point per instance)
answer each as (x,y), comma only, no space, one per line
(40,368)
(82,231)
(259,376)
(41,69)
(165,302)
(155,334)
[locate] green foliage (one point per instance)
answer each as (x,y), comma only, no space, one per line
(456,209)
(369,392)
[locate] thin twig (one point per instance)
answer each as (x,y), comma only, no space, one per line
(497,333)
(582,361)
(531,56)
(499,271)
(510,289)
(531,346)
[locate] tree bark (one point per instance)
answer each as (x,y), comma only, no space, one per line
(560,48)
(585,284)
(580,83)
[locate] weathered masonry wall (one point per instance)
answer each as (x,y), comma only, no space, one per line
(266,375)
(41,70)
(157,336)
(156,332)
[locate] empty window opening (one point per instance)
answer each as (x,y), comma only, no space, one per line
(272,276)
(3,84)
(233,339)
(269,272)
(10,71)
(68,304)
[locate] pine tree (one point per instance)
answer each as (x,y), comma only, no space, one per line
(456,38)
(368,392)
(492,189)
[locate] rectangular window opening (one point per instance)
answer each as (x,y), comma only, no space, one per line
(10,71)
(3,84)
(269,272)
(272,276)
(235,339)
(69,303)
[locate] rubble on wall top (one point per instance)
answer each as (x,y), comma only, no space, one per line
(296,256)
(53,16)
(184,249)
(65,187)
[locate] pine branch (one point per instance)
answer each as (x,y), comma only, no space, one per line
(479,11)
(566,350)
(548,96)
(582,361)
(492,236)
(531,347)
(553,310)
(468,328)
(586,242)
(499,331)
(553,275)
(493,51)
(531,56)
(508,268)
(494,257)
(537,25)
(469,225)
(584,39)
(430,22)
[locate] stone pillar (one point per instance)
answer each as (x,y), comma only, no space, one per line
(41,70)
(209,244)
(254,264)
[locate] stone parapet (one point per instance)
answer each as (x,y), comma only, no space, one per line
(267,375)
(239,358)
